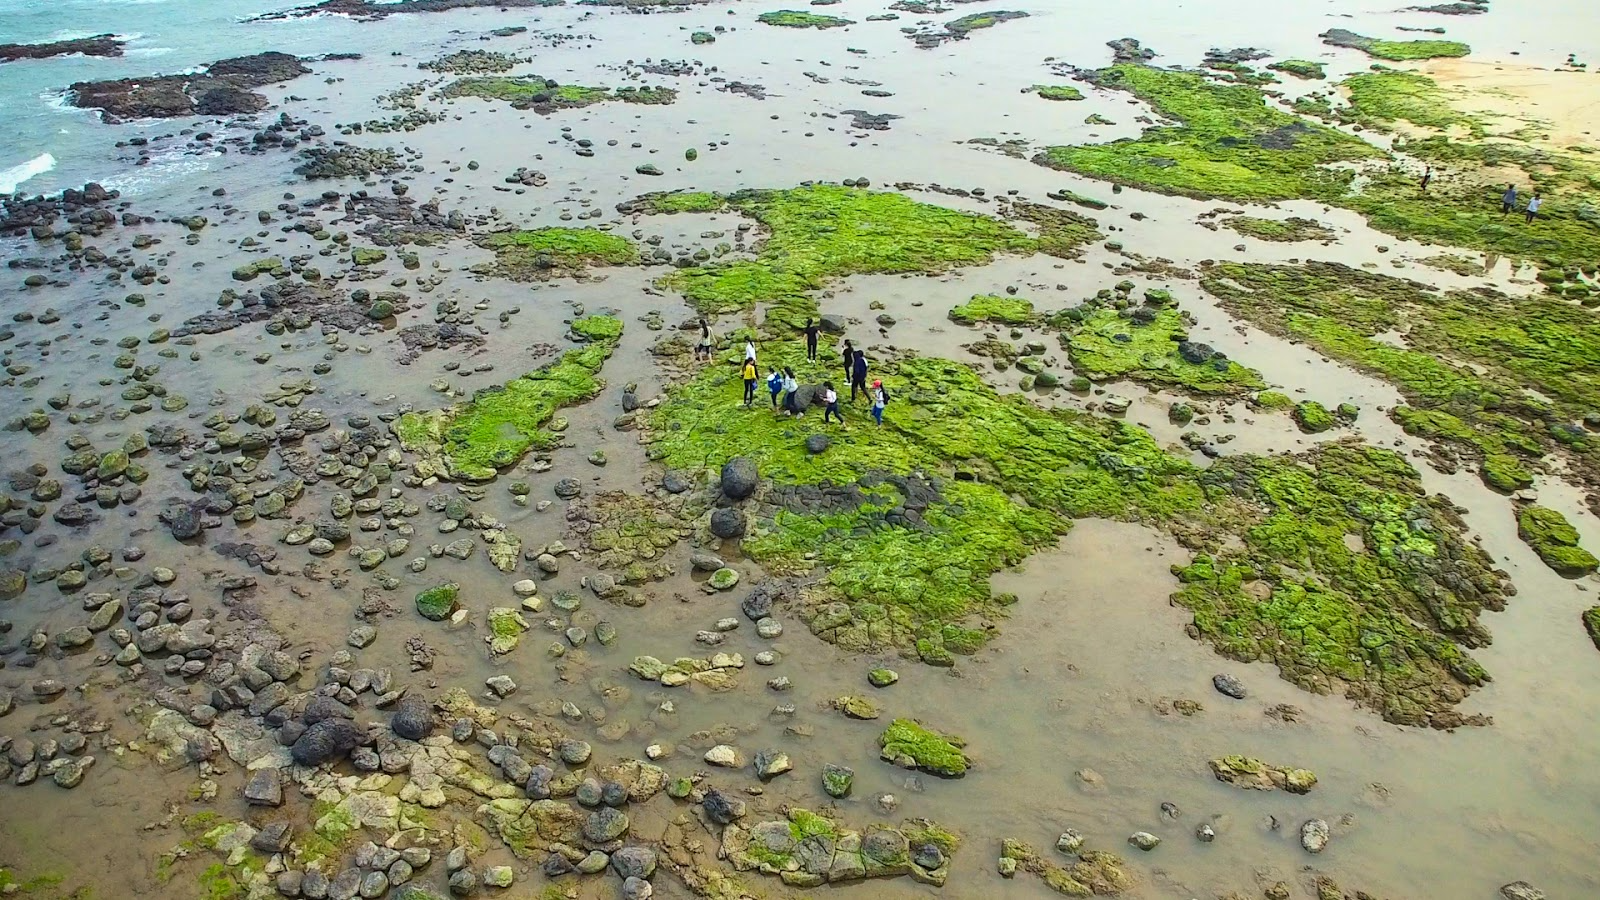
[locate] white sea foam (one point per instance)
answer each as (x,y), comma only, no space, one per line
(13,178)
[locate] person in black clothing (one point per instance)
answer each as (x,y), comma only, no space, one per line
(811,340)
(849,359)
(858,376)
(1427,176)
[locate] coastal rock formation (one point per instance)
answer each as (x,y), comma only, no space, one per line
(98,45)
(223,89)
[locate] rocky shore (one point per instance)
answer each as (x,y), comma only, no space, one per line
(223,89)
(98,45)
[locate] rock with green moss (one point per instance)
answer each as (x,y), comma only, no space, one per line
(1591,624)
(1505,472)
(822,233)
(546,95)
(1300,68)
(856,707)
(906,742)
(542,253)
(1293,228)
(1312,417)
(506,626)
(1398,51)
(881,678)
(789,18)
(438,602)
(1551,536)
(1151,346)
(1253,774)
(1057,91)
(474,440)
(271,266)
(807,850)
(989,308)
(1095,873)
(367,256)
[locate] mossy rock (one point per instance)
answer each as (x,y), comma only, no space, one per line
(438,602)
(789,18)
(1505,472)
(1591,624)
(984,308)
(1312,417)
(931,751)
(1551,536)
(367,256)
(1057,91)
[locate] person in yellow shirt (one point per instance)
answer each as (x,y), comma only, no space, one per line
(749,382)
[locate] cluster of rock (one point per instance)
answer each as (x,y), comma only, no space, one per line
(96,45)
(1253,774)
(223,89)
(347,161)
(806,850)
(715,672)
(1087,872)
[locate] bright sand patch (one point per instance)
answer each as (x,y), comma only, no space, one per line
(1567,104)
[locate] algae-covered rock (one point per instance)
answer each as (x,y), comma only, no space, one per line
(1253,774)
(439,601)
(506,626)
(906,740)
(1312,417)
(1555,540)
(1591,624)
(1096,873)
(856,707)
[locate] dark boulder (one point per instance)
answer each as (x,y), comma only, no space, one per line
(739,477)
(727,523)
(413,719)
(326,741)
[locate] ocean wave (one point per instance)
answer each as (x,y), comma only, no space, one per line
(13,178)
(147,51)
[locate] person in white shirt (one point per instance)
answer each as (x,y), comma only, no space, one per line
(790,386)
(830,400)
(1533,207)
(750,350)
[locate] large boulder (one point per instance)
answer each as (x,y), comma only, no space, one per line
(413,719)
(727,523)
(739,477)
(326,741)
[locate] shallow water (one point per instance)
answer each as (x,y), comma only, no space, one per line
(1077,677)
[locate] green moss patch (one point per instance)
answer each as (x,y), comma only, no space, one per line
(1253,774)
(541,253)
(1502,380)
(545,95)
(1398,51)
(940,754)
(789,18)
(1057,91)
(1300,68)
(1591,624)
(1089,873)
(1375,620)
(1106,345)
(1227,142)
(1555,540)
(825,232)
(984,308)
(1379,99)
(1291,229)
(472,441)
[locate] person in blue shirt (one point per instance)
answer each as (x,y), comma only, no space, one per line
(775,385)
(1508,200)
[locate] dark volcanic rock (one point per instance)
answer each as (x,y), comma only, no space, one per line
(99,45)
(727,523)
(329,739)
(413,719)
(739,477)
(224,89)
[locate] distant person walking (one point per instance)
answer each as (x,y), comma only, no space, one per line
(1427,176)
(880,399)
(749,382)
(1533,207)
(830,400)
(849,359)
(775,385)
(750,349)
(858,375)
(1508,200)
(812,332)
(702,350)
(791,386)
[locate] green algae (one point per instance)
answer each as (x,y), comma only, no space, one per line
(976,21)
(1403,51)
(1094,873)
(1227,143)
(1057,91)
(1105,346)
(540,253)
(790,18)
(1497,378)
(472,441)
(1591,624)
(1341,580)
(987,308)
(1253,774)
(1293,228)
(1379,99)
(1300,68)
(939,754)
(1312,417)
(1551,536)
(825,232)
(601,329)
(682,202)
(545,95)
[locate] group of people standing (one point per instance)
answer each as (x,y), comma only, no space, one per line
(783,382)
(1508,202)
